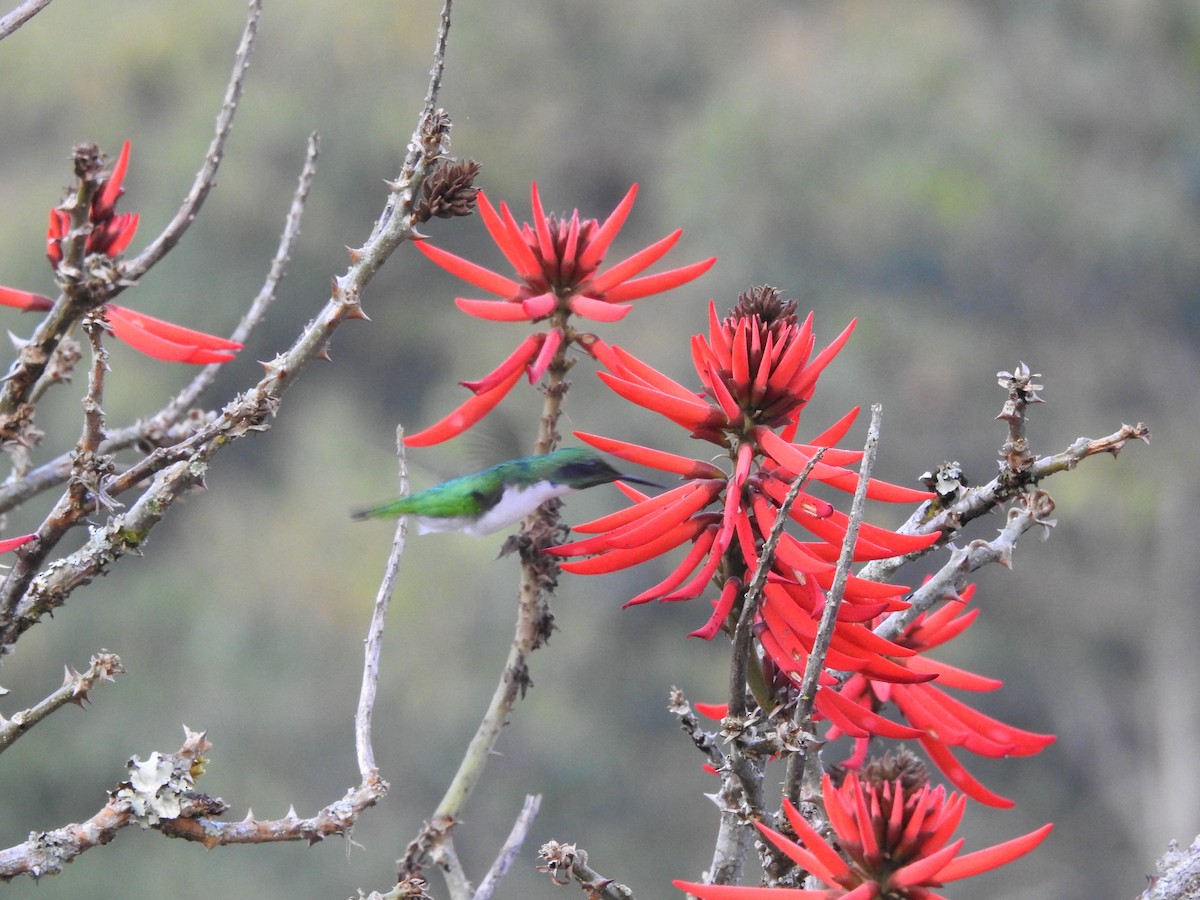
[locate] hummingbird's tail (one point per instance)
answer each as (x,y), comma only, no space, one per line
(391,510)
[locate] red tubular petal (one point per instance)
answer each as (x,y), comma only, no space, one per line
(957,774)
(665,519)
(641,510)
(570,250)
(545,356)
(542,229)
(729,593)
(804,381)
(993,857)
(598,310)
(838,430)
(464,417)
(683,466)
(594,252)
(717,337)
(1015,741)
(688,413)
(952,676)
(793,358)
(172,331)
(659,283)
(539,306)
(700,547)
(493,310)
(515,362)
(740,359)
(863,717)
(103,206)
(720,393)
(24,300)
(600,351)
(469,271)
(701,579)
(614,560)
(739,892)
(508,239)
(630,266)
(924,869)
(832,866)
(60,223)
(123,228)
(13,543)
(167,341)
(635,369)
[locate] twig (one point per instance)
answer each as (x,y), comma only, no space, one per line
(135,268)
(740,798)
(951,579)
(258,306)
(21,15)
(816,658)
(512,846)
(160,795)
(374,641)
(104,666)
(572,862)
(705,741)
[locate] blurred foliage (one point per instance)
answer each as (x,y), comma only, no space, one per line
(979,182)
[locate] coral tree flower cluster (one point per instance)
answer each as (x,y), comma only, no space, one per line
(758,370)
(109,234)
(557,262)
(895,834)
(944,721)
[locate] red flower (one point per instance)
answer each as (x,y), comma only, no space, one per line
(943,721)
(758,371)
(110,234)
(154,337)
(557,262)
(895,837)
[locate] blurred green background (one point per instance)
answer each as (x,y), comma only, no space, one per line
(979,182)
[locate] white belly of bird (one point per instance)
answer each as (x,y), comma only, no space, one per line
(515,504)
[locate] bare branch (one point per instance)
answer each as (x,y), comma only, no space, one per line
(104,666)
(135,268)
(21,15)
(816,658)
(512,846)
(374,642)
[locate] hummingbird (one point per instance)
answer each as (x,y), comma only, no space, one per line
(497,497)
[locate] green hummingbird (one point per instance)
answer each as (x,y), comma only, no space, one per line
(497,497)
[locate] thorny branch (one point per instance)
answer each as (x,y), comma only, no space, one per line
(176,421)
(159,793)
(104,666)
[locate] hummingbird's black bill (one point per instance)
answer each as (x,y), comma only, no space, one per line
(635,480)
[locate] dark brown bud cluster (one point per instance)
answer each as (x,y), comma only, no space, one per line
(767,304)
(902,765)
(449,191)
